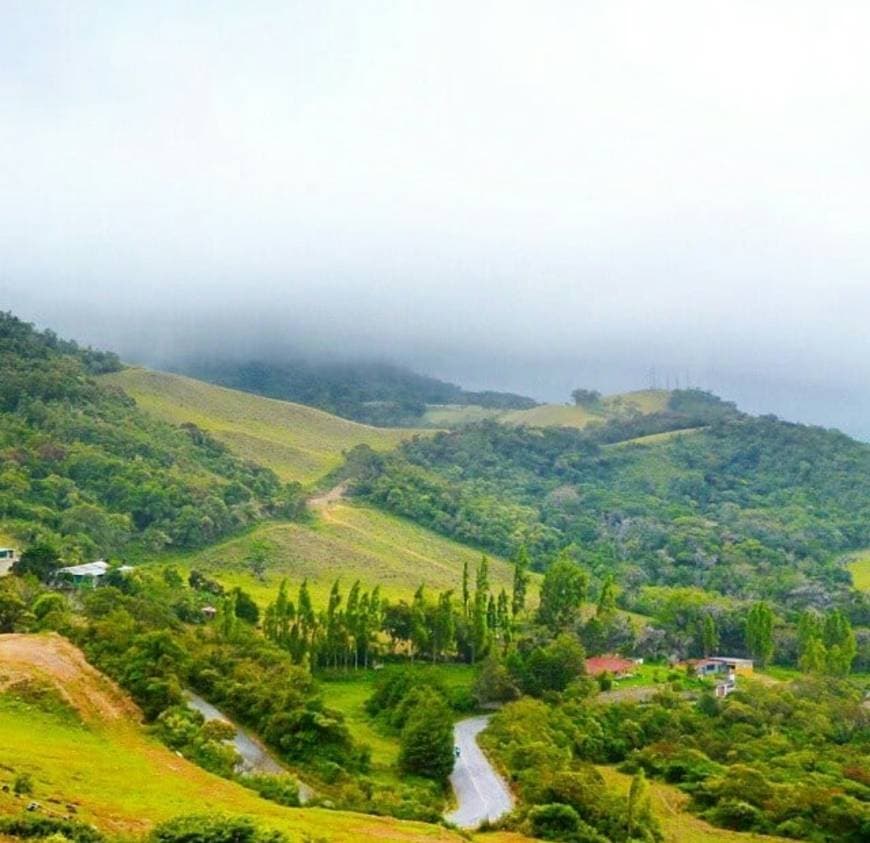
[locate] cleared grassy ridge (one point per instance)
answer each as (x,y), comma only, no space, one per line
(349,541)
(859,568)
(669,807)
(552,415)
(296,442)
(90,751)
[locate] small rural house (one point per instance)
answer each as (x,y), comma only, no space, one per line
(88,575)
(615,666)
(82,575)
(209,612)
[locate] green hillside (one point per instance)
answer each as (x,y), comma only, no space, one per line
(297,442)
(347,541)
(87,473)
(714,498)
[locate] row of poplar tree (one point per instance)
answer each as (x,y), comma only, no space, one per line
(349,631)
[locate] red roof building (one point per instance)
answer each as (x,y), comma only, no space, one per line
(609,664)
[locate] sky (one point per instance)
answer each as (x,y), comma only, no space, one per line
(525,196)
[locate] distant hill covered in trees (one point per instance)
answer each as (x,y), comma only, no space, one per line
(372,392)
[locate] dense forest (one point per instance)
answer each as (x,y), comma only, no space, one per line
(371,392)
(736,504)
(85,473)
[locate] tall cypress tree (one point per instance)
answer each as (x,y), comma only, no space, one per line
(521,580)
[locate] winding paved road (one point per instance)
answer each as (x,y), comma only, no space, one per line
(481,793)
(255,757)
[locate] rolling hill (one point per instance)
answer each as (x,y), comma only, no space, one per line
(79,738)
(349,541)
(297,442)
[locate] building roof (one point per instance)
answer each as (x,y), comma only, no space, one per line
(607,664)
(89,569)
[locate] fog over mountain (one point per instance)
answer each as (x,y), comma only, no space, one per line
(519,196)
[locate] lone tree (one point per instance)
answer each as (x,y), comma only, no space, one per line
(586,397)
(562,592)
(42,559)
(759,632)
(426,746)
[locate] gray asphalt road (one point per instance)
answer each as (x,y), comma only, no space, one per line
(481,793)
(255,757)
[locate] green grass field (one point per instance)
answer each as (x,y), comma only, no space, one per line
(859,568)
(348,694)
(121,779)
(297,442)
(349,541)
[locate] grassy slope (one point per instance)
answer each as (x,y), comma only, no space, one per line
(669,807)
(121,779)
(297,442)
(350,541)
(552,415)
(859,567)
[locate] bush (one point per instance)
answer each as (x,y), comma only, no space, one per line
(733,813)
(22,785)
(554,821)
(427,740)
(28,826)
(281,789)
(203,828)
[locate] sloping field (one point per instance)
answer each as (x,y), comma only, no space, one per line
(297,442)
(656,438)
(100,760)
(349,541)
(678,825)
(552,415)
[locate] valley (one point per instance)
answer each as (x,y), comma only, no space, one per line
(347,594)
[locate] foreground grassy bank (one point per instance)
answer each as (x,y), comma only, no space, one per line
(77,736)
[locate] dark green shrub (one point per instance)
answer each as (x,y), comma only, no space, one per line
(29,826)
(202,828)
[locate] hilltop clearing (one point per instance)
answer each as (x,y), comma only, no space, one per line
(622,405)
(118,777)
(298,443)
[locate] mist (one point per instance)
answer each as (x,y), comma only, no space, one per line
(518,196)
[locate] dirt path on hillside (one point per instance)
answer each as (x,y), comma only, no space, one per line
(336,493)
(54,660)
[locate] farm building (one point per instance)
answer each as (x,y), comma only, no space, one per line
(718,665)
(88,574)
(79,575)
(615,666)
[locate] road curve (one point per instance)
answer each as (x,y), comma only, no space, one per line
(481,793)
(255,757)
